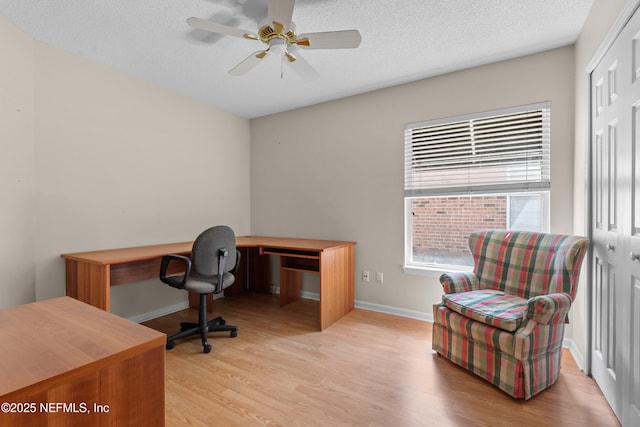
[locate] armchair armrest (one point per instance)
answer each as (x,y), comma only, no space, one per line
(177,280)
(461,281)
(549,309)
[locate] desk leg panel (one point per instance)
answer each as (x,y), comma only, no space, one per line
(136,393)
(88,283)
(252,273)
(289,286)
(126,392)
(258,271)
(336,285)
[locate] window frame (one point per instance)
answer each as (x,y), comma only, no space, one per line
(542,185)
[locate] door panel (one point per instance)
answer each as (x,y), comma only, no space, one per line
(612,179)
(630,179)
(605,232)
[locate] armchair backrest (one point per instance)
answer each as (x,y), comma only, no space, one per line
(205,250)
(527,264)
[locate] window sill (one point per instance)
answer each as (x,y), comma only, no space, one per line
(431,271)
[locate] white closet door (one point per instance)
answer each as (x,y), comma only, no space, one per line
(615,231)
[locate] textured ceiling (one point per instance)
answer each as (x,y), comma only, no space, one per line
(402,41)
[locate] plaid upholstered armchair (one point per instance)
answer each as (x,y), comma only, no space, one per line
(505,321)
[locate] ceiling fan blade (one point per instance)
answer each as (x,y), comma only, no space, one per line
(214,27)
(280,12)
(346,39)
(301,66)
(248,63)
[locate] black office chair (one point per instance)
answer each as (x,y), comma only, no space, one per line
(214,260)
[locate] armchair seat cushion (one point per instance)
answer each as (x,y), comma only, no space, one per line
(464,330)
(489,306)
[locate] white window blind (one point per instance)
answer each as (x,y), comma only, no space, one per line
(493,152)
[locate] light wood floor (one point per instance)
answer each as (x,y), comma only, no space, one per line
(368,369)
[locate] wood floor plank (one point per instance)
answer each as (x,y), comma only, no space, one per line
(367,369)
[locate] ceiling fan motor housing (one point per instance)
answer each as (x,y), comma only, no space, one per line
(267,33)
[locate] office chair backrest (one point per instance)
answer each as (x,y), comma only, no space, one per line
(204,254)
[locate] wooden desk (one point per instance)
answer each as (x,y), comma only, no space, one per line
(90,274)
(67,363)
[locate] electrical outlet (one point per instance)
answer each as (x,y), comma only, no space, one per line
(365,276)
(379,277)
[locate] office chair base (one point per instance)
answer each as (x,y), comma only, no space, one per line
(188,329)
(203,327)
(218,321)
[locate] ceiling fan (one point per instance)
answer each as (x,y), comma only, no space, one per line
(279,34)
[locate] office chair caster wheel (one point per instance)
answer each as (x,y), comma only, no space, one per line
(170,345)
(206,348)
(233,334)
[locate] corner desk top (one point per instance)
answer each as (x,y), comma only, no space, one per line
(141,253)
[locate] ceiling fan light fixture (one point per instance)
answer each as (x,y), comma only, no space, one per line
(278,46)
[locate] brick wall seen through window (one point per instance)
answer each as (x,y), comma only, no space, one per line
(441,225)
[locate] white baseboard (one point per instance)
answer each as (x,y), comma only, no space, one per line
(163,311)
(159,312)
(387,309)
(575,352)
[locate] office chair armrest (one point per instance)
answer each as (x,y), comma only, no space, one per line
(175,280)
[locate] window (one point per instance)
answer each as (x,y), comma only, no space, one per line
(485,170)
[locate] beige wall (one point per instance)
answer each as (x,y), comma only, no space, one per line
(17,174)
(335,170)
(119,162)
(603,14)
